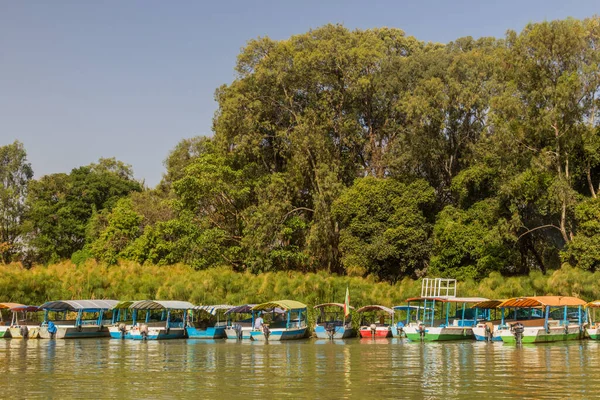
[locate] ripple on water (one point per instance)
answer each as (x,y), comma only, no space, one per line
(353,368)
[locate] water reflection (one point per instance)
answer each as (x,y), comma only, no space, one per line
(302,369)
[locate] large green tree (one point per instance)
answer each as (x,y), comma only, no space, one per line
(15,173)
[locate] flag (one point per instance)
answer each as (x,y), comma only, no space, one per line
(347,303)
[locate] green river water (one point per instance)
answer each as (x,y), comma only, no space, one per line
(315,369)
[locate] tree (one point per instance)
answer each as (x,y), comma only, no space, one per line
(15,174)
(383,228)
(61,206)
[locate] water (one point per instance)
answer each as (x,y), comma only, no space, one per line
(356,368)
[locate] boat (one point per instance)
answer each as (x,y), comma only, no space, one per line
(562,319)
(24,327)
(490,317)
(207,322)
(399,323)
(89,320)
(375,321)
(290,325)
(331,322)
(5,325)
(592,329)
(436,320)
(151,320)
(237,327)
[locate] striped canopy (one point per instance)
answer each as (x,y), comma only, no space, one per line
(537,301)
(212,310)
(488,304)
(76,305)
(287,305)
(161,305)
(340,305)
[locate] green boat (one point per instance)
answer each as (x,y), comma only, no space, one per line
(563,319)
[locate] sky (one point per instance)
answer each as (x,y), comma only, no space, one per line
(85,79)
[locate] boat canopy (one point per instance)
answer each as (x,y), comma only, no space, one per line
(593,304)
(161,305)
(340,305)
(488,304)
(77,305)
(375,307)
(10,305)
(407,307)
(287,305)
(537,301)
(123,304)
(212,310)
(25,308)
(451,299)
(246,308)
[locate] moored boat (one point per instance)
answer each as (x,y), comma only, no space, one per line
(207,322)
(399,323)
(24,327)
(443,318)
(331,322)
(89,319)
(375,321)
(486,328)
(563,319)
(152,320)
(592,329)
(237,326)
(291,326)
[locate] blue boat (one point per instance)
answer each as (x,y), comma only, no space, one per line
(88,323)
(398,327)
(207,322)
(150,320)
(240,322)
(331,322)
(288,326)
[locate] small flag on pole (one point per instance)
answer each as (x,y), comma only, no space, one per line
(347,303)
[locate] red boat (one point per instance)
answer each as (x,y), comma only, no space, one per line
(375,321)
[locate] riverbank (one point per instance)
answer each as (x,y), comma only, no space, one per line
(221,285)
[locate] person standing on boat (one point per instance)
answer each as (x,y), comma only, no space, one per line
(258,323)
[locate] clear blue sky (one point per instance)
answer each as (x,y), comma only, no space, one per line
(84,79)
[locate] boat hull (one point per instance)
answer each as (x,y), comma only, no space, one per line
(4,332)
(33,332)
(480,334)
(74,332)
(438,334)
(232,333)
(593,333)
(212,332)
(380,332)
(538,334)
(340,332)
(154,333)
(279,334)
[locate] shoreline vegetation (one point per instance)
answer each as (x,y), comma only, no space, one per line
(222,285)
(363,158)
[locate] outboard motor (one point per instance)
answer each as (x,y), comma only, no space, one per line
(266,331)
(122,329)
(330,329)
(400,327)
(24,331)
(421,330)
(489,331)
(518,330)
(373,330)
(144,331)
(238,331)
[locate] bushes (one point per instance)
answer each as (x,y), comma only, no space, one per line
(222,285)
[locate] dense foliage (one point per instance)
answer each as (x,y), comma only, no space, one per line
(360,153)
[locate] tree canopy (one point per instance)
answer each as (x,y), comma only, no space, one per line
(365,152)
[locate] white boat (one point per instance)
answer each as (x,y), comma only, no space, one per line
(89,319)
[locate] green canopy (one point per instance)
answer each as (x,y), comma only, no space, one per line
(288,305)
